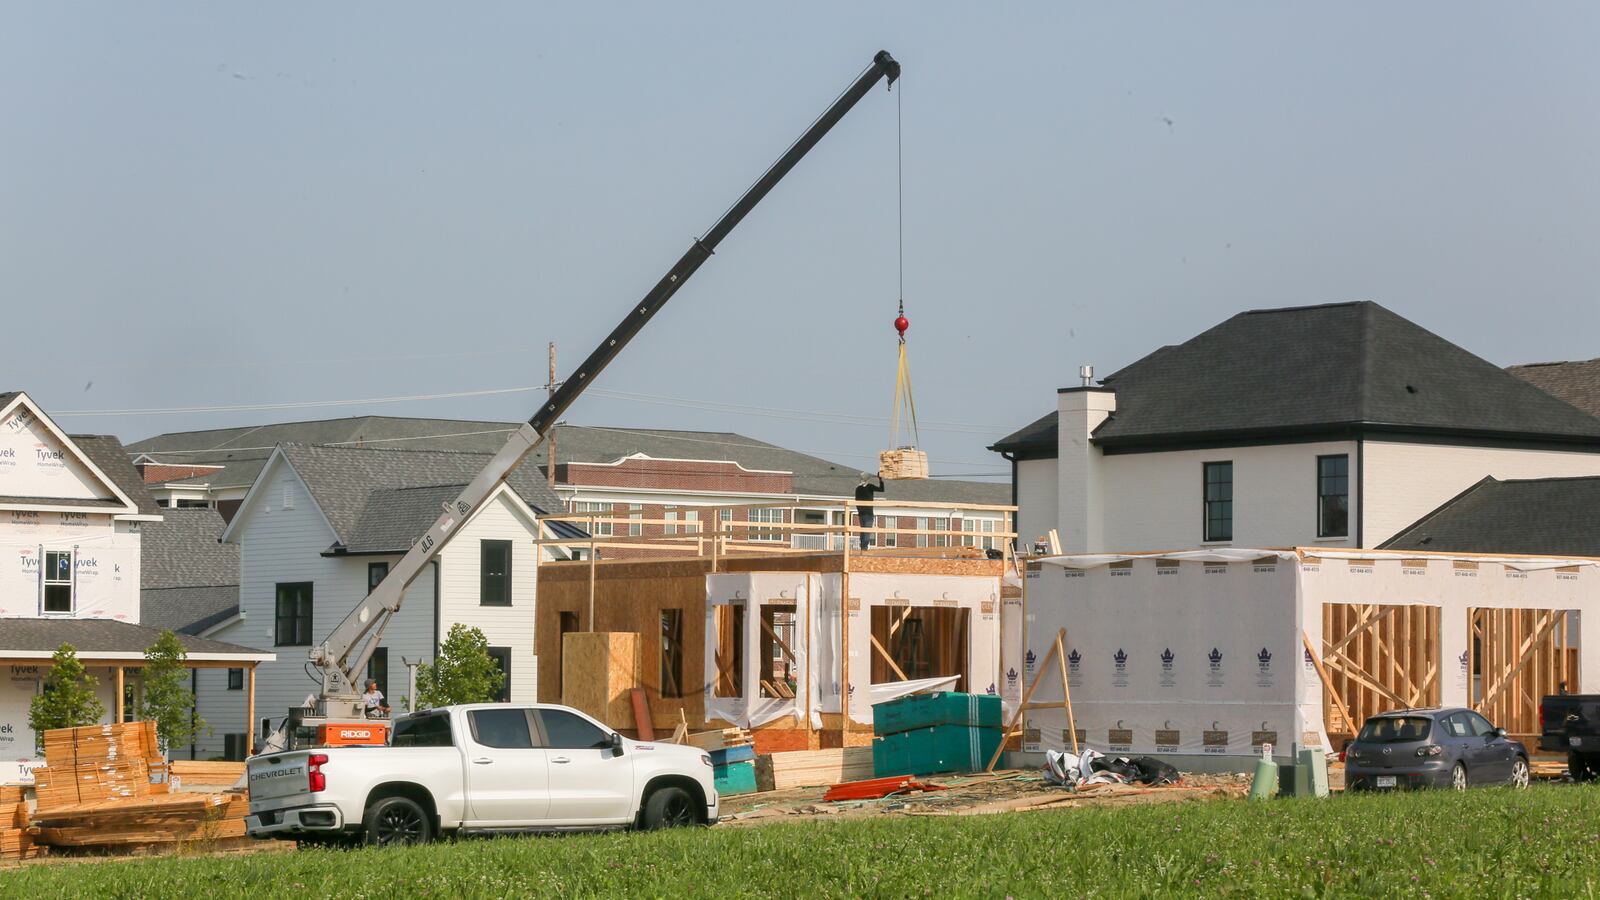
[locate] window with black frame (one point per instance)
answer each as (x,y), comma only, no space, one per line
(494,559)
(1219,501)
(291,625)
(1333,496)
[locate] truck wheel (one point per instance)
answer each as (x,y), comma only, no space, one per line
(668,807)
(396,821)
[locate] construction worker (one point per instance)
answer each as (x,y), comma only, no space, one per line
(373,698)
(864,492)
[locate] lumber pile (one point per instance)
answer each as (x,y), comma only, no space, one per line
(15,840)
(108,787)
(199,771)
(904,463)
(813,768)
(720,739)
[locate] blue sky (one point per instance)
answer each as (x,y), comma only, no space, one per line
(221,205)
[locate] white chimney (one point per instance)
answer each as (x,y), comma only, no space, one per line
(1080,495)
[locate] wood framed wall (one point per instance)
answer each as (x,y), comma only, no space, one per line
(1378,658)
(1515,657)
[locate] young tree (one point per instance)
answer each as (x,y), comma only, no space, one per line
(464,672)
(167,698)
(68,699)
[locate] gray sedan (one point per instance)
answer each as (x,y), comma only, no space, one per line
(1450,747)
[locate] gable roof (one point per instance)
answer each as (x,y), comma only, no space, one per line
(381,500)
(244,451)
(1319,369)
(102,454)
(1578,383)
(1539,516)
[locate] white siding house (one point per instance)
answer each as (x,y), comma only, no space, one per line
(321,523)
(1334,425)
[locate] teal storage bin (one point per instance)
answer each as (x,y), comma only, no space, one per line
(937,750)
(930,710)
(735,778)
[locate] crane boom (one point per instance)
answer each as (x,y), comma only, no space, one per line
(343,655)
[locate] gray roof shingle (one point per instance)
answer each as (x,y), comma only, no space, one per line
(111,457)
(188,610)
(382,500)
(91,636)
(1539,516)
(182,551)
(243,451)
(1314,368)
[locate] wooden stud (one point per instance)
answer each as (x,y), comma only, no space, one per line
(118,704)
(886,657)
(251,729)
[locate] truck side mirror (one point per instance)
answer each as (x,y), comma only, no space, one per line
(616,743)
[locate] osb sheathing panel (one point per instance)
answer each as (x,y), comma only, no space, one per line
(599,671)
(629,596)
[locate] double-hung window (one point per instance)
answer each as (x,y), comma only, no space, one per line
(58,581)
(1219,501)
(602,510)
(1333,496)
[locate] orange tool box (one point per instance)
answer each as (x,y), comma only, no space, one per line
(354,735)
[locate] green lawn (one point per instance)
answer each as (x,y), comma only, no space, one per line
(1489,843)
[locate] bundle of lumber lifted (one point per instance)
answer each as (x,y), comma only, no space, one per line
(109,787)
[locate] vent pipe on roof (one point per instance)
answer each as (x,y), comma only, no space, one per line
(1086,372)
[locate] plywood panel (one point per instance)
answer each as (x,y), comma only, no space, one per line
(599,670)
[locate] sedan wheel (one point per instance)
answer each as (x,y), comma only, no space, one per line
(1519,773)
(1458,777)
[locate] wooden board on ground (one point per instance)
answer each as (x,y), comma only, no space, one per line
(809,768)
(599,670)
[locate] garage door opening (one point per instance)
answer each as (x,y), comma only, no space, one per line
(915,642)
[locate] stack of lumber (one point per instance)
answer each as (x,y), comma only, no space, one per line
(720,739)
(904,463)
(15,841)
(155,819)
(813,768)
(108,786)
(190,772)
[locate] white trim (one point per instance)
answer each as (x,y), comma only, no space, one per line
(48,506)
(231,620)
(713,462)
(257,487)
(83,458)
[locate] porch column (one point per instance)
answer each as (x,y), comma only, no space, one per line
(249,709)
(117,703)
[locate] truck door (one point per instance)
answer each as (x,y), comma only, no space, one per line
(590,783)
(508,777)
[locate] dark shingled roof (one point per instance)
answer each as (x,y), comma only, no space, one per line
(381,500)
(111,457)
(187,580)
(243,451)
(182,551)
(1578,383)
(90,636)
(188,610)
(1540,516)
(1313,369)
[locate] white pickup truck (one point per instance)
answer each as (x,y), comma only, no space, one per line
(482,768)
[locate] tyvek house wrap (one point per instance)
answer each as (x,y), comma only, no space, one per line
(1197,653)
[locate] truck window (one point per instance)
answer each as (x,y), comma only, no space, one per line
(565,731)
(423,731)
(507,728)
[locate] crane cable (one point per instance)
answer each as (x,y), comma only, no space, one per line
(902,382)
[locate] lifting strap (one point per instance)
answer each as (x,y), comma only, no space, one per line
(905,407)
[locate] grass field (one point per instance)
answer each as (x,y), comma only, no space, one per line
(1488,843)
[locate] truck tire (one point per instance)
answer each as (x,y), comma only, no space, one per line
(669,807)
(396,821)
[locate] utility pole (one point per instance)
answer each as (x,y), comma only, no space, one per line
(550,446)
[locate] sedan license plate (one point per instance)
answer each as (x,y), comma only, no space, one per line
(1575,741)
(1385,781)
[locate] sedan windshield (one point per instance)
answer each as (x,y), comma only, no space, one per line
(1395,729)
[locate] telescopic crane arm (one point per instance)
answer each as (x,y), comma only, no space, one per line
(342,657)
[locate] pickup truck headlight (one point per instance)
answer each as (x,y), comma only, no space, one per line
(706,758)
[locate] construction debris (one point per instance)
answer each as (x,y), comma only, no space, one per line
(876,788)
(813,768)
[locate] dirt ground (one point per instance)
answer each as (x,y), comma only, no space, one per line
(971,795)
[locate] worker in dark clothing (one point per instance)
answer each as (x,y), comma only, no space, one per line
(864,492)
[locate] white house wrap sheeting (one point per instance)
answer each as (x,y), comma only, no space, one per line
(1201,652)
